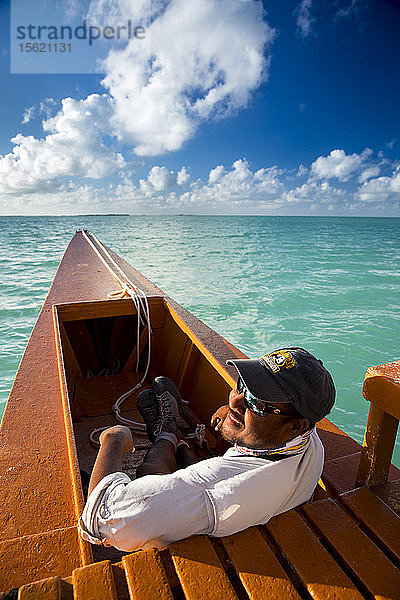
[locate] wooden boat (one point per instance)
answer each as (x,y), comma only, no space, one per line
(81,356)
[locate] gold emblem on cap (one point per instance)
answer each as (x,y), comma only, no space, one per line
(278,360)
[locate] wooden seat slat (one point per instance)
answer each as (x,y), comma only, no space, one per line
(319,572)
(94,581)
(389,493)
(200,571)
(50,589)
(378,517)
(366,561)
(146,576)
(259,571)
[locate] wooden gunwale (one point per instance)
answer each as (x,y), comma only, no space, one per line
(49,541)
(84,547)
(203,349)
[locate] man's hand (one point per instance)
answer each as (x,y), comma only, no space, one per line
(219,417)
(118,432)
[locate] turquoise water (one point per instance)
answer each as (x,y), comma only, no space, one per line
(331,285)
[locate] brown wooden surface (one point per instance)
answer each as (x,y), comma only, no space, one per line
(146,576)
(50,588)
(376,516)
(78,311)
(33,460)
(30,558)
(356,551)
(318,570)
(259,571)
(94,581)
(37,494)
(376,454)
(200,571)
(382,389)
(344,549)
(390,494)
(95,396)
(131,360)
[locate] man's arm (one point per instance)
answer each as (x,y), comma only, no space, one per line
(114,443)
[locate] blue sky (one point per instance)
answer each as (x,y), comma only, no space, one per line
(228,107)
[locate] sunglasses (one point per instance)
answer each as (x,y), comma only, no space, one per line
(257,406)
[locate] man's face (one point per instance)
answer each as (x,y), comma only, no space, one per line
(253,431)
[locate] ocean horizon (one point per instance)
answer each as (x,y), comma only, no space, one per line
(328,284)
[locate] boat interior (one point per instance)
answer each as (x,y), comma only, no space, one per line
(101,360)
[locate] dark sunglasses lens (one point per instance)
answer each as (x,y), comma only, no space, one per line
(255,405)
(240,385)
(262,408)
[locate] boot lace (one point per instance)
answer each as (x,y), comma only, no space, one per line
(166,409)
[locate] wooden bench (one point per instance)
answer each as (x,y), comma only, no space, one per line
(348,548)
(344,547)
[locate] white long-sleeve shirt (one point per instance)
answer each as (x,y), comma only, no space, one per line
(218,496)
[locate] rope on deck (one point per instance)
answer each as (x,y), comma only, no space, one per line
(127,290)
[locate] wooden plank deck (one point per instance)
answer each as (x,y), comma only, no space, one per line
(332,549)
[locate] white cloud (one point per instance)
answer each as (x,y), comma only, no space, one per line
(381,188)
(73,146)
(160,178)
(183,176)
(203,60)
(314,193)
(352,9)
(46,108)
(368,173)
(338,164)
(116,12)
(216,174)
(239,189)
(200,60)
(301,171)
(28,114)
(71,8)
(336,11)
(304,19)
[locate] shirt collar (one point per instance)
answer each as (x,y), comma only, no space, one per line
(289,448)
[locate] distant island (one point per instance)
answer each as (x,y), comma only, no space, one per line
(100,215)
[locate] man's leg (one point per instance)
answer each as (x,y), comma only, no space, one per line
(185,456)
(160,413)
(159,460)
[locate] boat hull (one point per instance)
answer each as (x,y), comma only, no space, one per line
(53,403)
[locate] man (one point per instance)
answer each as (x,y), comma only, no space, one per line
(274,464)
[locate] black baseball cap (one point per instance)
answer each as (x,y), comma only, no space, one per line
(290,375)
